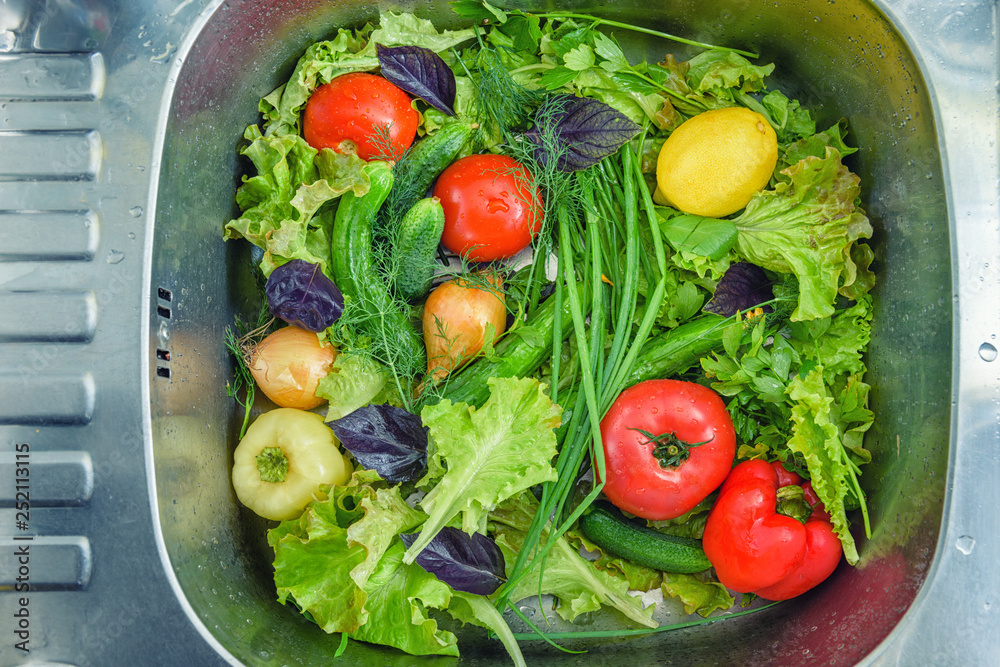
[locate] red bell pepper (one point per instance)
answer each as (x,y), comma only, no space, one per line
(756,547)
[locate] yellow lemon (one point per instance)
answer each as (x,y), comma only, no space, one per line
(713,163)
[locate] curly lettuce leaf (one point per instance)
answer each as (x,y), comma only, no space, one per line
(807,226)
(720,72)
(398,597)
(817,438)
(281,205)
(324,559)
(843,340)
(405,29)
(575,581)
(791,120)
(354,381)
(386,514)
(699,596)
(490,454)
(282,164)
(815,145)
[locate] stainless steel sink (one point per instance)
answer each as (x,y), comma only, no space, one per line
(118,127)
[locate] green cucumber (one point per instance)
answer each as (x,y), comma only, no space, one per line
(354,272)
(618,536)
(416,246)
(353,264)
(428,158)
(679,349)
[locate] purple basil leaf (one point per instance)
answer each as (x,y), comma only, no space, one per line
(470,563)
(299,293)
(743,286)
(588,129)
(386,439)
(421,73)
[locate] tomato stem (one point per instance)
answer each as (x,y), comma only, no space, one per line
(668,449)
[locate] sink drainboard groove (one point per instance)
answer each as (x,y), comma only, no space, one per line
(52,321)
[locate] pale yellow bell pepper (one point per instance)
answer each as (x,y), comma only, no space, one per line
(283,461)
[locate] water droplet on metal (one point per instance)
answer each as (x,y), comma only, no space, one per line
(135,211)
(965,544)
(8,39)
(115,256)
(987,352)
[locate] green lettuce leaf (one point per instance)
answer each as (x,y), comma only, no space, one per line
(720,72)
(844,338)
(699,596)
(398,596)
(405,29)
(281,205)
(354,381)
(490,454)
(386,515)
(707,237)
(575,581)
(815,145)
(324,559)
(792,121)
(817,438)
(478,610)
(806,226)
(282,164)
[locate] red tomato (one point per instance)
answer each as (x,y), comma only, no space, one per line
(490,211)
(636,481)
(355,107)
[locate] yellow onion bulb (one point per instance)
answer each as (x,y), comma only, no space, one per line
(288,365)
(455,317)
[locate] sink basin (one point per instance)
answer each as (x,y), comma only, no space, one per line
(113,368)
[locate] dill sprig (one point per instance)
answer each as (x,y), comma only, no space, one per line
(365,329)
(503,106)
(241,340)
(559,189)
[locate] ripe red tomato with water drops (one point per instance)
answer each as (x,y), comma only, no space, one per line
(357,108)
(667,445)
(492,208)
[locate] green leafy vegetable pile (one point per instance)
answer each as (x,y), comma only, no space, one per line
(770,307)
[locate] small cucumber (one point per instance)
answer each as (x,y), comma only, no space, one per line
(416,245)
(428,158)
(354,272)
(616,535)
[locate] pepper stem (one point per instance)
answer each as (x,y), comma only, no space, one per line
(668,449)
(272,465)
(792,502)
